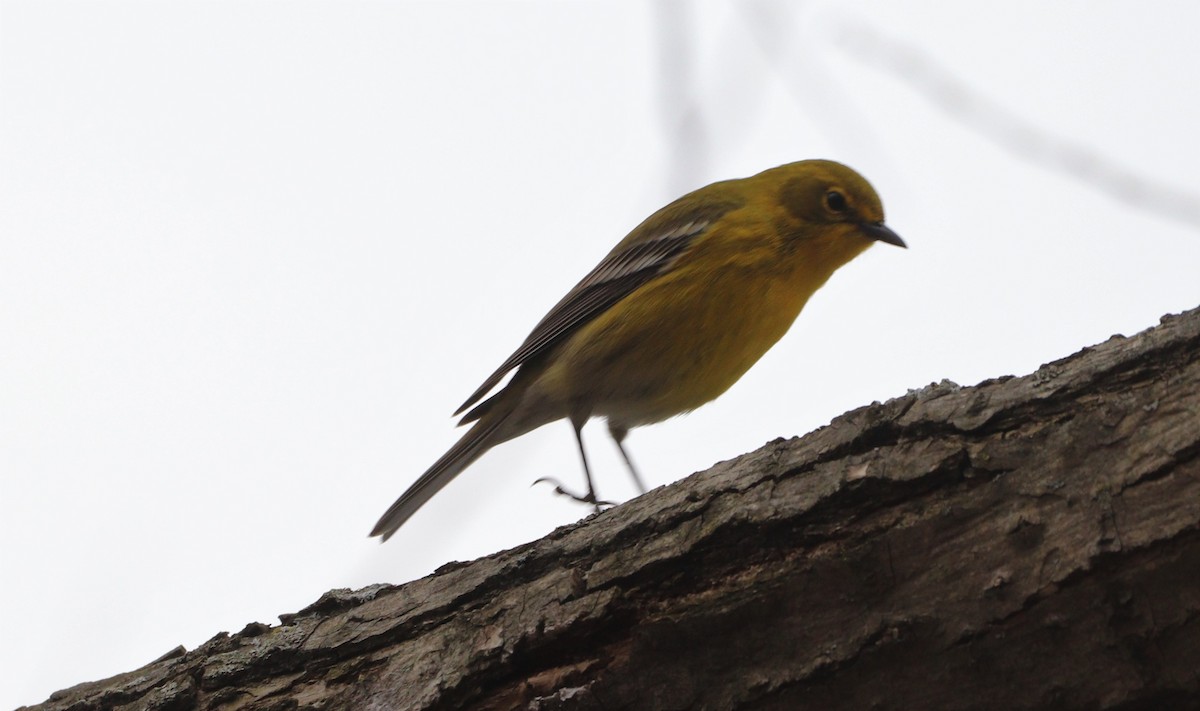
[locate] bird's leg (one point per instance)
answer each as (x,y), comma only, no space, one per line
(577,424)
(558,489)
(590,498)
(618,433)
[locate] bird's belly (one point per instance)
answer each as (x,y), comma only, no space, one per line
(677,346)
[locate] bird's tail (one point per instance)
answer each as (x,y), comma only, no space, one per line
(477,440)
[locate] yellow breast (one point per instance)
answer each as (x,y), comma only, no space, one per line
(683,339)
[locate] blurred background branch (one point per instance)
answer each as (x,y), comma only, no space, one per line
(680,107)
(1025,140)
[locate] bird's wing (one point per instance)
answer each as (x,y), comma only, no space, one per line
(639,258)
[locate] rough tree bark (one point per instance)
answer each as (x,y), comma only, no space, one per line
(1025,543)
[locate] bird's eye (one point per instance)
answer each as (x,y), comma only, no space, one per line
(835,201)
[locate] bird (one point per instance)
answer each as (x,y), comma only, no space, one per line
(672,317)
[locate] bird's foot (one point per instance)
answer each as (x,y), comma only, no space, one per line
(589,498)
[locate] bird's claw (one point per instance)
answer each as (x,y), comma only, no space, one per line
(589,498)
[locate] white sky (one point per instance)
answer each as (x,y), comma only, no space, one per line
(253,254)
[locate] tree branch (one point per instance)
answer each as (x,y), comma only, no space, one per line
(1025,543)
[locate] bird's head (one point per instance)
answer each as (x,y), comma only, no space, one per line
(835,211)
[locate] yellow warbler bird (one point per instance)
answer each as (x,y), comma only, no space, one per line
(673,316)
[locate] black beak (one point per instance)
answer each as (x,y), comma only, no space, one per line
(882,233)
